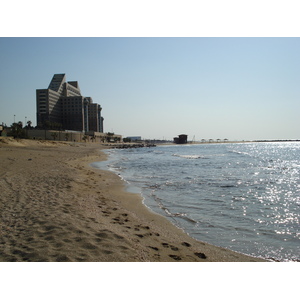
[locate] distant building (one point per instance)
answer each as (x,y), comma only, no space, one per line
(134,138)
(62,104)
(181,139)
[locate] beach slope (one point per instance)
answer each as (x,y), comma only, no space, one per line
(56,207)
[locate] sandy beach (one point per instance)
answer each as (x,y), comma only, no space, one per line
(56,207)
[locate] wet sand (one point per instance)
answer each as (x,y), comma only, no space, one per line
(56,207)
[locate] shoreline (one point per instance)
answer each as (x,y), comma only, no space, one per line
(126,189)
(57,207)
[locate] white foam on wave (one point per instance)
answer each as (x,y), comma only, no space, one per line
(189,156)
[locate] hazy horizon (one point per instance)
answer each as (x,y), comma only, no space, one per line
(157,88)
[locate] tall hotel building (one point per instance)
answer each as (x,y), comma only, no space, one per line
(62,103)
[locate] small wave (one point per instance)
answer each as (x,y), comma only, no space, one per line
(170,214)
(190,156)
(154,186)
(227,186)
(183,216)
(157,152)
(239,152)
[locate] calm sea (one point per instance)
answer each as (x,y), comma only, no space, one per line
(244,197)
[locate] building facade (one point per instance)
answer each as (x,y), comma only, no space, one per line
(62,105)
(181,139)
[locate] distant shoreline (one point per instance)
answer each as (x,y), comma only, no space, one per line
(161,143)
(231,142)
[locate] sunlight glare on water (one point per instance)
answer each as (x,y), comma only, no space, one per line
(243,196)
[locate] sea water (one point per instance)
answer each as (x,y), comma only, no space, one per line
(240,196)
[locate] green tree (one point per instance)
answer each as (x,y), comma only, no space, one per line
(50,125)
(17,130)
(28,126)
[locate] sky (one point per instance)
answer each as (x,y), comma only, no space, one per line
(208,69)
(206,87)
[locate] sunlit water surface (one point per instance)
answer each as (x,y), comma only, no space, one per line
(245,197)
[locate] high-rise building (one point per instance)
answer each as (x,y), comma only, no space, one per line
(62,105)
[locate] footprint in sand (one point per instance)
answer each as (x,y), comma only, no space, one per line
(175,257)
(186,244)
(166,245)
(154,248)
(200,255)
(102,235)
(140,235)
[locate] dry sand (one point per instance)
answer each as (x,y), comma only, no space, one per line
(55,207)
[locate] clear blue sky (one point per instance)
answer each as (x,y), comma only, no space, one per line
(234,88)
